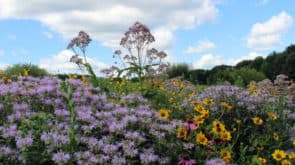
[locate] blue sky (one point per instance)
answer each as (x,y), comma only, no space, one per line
(202,33)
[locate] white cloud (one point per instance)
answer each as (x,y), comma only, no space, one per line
(208,61)
(164,38)
(48,34)
(60,63)
(267,35)
(201,47)
(106,21)
(3,66)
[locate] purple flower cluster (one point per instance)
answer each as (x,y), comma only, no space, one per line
(107,132)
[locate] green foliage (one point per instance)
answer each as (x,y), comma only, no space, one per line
(177,70)
(18,69)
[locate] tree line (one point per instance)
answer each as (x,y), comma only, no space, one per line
(243,72)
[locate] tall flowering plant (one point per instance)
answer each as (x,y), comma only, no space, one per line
(140,60)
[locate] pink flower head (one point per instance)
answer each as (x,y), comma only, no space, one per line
(186,161)
(190,124)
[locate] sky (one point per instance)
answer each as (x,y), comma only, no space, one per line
(201,33)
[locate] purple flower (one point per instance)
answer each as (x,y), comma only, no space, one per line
(215,161)
(148,157)
(186,161)
(23,142)
(61,157)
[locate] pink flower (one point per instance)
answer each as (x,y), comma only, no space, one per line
(186,161)
(190,124)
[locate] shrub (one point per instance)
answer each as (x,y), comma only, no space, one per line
(18,69)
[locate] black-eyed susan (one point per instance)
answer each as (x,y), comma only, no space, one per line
(163,114)
(276,136)
(226,105)
(272,116)
(278,155)
(208,101)
(199,108)
(286,162)
(225,135)
(262,160)
(182,133)
(204,113)
(199,120)
(226,155)
(257,121)
(201,139)
(218,127)
(26,72)
(291,155)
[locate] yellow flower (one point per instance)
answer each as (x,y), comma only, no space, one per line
(286,162)
(294,142)
(26,72)
(218,127)
(204,113)
(226,105)
(163,113)
(199,120)
(199,108)
(225,135)
(238,121)
(72,76)
(201,139)
(182,133)
(257,121)
(234,129)
(262,160)
(291,155)
(272,116)
(226,156)
(276,136)
(208,101)
(279,155)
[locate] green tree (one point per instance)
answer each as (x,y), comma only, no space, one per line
(18,69)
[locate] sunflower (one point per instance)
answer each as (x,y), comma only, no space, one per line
(262,160)
(226,105)
(276,136)
(163,114)
(225,135)
(279,155)
(182,133)
(272,116)
(201,139)
(257,121)
(286,162)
